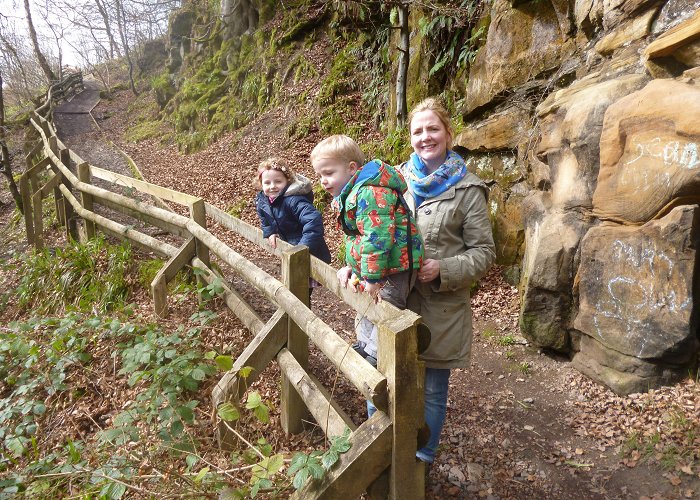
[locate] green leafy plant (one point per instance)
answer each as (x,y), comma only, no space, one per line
(506,340)
(213,289)
(315,464)
(172,367)
(80,277)
(36,358)
(454,31)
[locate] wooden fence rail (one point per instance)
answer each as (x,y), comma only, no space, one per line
(382,457)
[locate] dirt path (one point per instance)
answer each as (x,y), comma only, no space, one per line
(520,424)
(77,129)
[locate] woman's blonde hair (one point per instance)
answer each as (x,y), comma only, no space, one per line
(338,147)
(436,106)
(274,163)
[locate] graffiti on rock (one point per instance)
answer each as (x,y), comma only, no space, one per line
(630,302)
(669,158)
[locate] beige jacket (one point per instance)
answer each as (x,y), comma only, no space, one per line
(456,230)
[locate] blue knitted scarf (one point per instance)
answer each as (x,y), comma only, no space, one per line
(426,185)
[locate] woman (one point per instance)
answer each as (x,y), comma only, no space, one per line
(449,204)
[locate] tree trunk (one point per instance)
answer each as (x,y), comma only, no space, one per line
(5,162)
(48,72)
(108,27)
(121,24)
(402,73)
(238,16)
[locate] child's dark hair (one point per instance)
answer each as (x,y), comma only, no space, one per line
(274,163)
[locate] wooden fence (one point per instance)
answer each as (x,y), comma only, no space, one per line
(381,459)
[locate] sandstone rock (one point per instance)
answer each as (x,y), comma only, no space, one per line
(636,287)
(152,55)
(588,15)
(678,36)
(502,173)
(689,55)
(552,239)
(673,13)
(617,12)
(521,44)
(506,218)
(633,29)
(571,121)
(503,130)
(675,50)
(649,153)
(623,374)
(540,176)
(497,167)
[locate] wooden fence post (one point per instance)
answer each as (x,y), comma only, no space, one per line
(296,268)
(58,197)
(199,215)
(86,200)
(71,219)
(37,209)
(398,361)
(24,191)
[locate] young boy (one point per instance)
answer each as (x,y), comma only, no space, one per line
(377,222)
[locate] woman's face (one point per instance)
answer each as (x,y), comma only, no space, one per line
(429,138)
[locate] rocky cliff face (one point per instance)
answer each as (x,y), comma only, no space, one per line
(583,114)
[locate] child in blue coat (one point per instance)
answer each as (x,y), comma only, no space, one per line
(286,210)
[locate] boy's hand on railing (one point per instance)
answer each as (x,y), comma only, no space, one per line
(373,290)
(273,240)
(344,275)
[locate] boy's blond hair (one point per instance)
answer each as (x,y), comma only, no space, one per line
(274,163)
(338,147)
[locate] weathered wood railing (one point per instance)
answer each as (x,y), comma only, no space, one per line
(382,457)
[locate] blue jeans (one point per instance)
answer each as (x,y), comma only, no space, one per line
(437,381)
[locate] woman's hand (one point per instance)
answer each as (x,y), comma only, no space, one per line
(373,290)
(429,271)
(344,275)
(273,240)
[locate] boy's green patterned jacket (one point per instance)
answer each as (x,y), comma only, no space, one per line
(374,218)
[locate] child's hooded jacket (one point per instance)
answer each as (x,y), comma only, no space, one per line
(293,217)
(375,218)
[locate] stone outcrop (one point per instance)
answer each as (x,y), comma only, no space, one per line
(650,153)
(592,106)
(179,32)
(522,44)
(571,121)
(636,300)
(552,239)
(675,50)
(502,130)
(623,374)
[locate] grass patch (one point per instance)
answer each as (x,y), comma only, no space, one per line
(506,340)
(145,130)
(489,331)
(78,277)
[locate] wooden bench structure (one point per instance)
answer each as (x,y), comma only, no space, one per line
(381,459)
